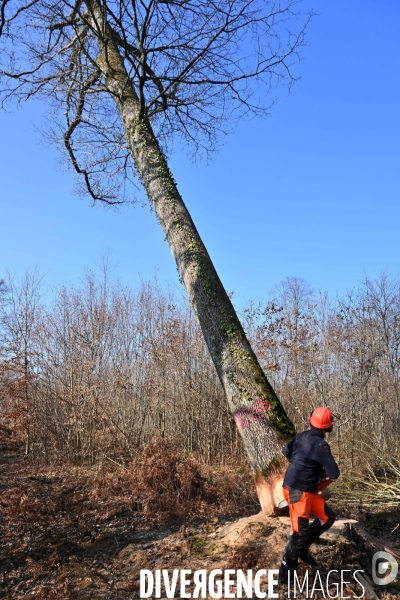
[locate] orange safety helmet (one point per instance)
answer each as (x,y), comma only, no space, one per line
(321,418)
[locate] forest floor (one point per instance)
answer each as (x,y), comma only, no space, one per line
(85,533)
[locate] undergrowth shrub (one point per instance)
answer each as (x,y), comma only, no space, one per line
(167,485)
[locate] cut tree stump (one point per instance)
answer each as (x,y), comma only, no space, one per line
(249,527)
(335,534)
(338,527)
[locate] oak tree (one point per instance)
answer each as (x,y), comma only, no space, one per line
(124,78)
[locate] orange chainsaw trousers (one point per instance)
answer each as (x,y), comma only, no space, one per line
(302,505)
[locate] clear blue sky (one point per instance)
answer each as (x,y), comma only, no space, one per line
(312,191)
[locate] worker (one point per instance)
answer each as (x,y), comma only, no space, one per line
(312,467)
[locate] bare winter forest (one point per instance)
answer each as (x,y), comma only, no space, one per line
(98,370)
(124,455)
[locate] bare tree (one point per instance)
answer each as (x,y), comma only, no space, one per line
(131,76)
(18,322)
(3,290)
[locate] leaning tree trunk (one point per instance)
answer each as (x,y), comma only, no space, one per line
(258,413)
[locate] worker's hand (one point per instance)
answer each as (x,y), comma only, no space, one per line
(324,484)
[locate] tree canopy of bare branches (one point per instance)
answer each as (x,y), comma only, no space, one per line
(195,67)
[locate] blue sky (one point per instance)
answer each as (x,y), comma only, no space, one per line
(312,191)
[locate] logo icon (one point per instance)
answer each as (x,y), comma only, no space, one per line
(387,564)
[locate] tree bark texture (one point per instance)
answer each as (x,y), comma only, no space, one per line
(258,413)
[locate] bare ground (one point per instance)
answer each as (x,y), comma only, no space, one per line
(81,533)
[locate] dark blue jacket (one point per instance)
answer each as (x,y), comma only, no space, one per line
(310,459)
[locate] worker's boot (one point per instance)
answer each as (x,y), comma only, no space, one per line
(315,530)
(308,558)
(289,562)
